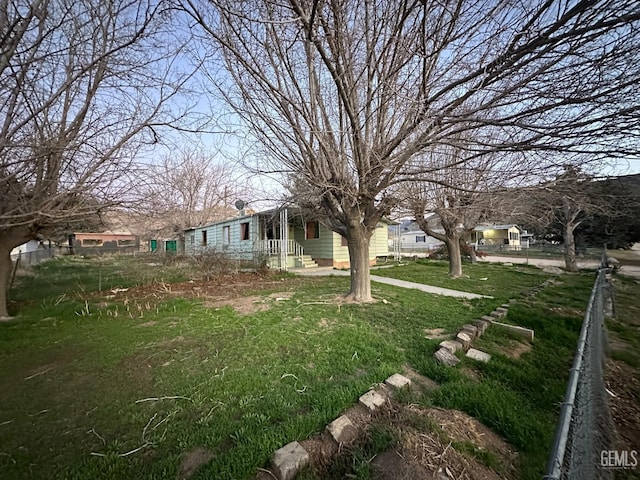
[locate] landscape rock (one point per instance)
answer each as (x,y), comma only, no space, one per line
(342,430)
(464,339)
(451,345)
(446,357)
(478,355)
(487,318)
(553,270)
(398,381)
(526,333)
(289,460)
(470,330)
(481,325)
(499,312)
(372,400)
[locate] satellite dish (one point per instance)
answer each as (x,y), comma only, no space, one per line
(239,204)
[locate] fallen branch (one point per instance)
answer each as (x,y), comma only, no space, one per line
(39,373)
(155,399)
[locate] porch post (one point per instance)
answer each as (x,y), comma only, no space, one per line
(284,238)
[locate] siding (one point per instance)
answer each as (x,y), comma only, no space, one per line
(236,247)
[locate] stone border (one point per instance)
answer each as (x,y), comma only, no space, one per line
(288,461)
(468,332)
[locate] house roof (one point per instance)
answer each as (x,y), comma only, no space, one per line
(483,228)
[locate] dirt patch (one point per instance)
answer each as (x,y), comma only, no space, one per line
(420,453)
(421,380)
(436,334)
(623,381)
(150,323)
(515,349)
(192,461)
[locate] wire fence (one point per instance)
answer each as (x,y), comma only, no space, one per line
(585,428)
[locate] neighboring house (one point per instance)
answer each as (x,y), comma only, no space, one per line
(417,241)
(502,236)
(107,242)
(284,238)
(30,246)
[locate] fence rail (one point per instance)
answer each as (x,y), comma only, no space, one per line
(585,426)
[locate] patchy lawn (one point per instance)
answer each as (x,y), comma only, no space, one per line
(124,368)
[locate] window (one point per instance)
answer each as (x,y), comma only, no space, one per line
(126,243)
(226,235)
(244,231)
(92,242)
(514,235)
(421,238)
(343,241)
(204,238)
(312,230)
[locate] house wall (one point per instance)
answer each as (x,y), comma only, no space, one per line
(237,248)
(328,251)
(408,241)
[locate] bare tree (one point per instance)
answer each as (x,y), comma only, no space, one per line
(344,93)
(187,189)
(84,85)
(565,203)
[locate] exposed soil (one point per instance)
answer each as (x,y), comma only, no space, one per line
(515,349)
(224,290)
(193,460)
(623,381)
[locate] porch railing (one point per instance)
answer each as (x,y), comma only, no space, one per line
(274,247)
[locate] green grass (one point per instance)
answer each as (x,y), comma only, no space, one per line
(85,376)
(482,278)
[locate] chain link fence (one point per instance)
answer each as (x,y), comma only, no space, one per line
(585,428)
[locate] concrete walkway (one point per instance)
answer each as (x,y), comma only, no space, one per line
(326,271)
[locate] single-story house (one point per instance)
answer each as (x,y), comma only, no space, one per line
(103,242)
(503,236)
(284,238)
(417,241)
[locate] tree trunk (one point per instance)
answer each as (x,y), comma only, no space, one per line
(570,248)
(472,250)
(9,239)
(5,276)
(455,261)
(358,243)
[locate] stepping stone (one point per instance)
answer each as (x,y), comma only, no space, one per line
(487,318)
(499,312)
(451,345)
(446,357)
(482,326)
(526,333)
(478,355)
(372,400)
(342,430)
(398,381)
(505,305)
(289,460)
(464,339)
(470,330)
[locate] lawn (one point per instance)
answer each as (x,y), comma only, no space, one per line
(482,278)
(103,382)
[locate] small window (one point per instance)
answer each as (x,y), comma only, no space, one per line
(192,239)
(513,235)
(226,235)
(343,241)
(92,242)
(244,231)
(421,238)
(126,243)
(312,230)
(204,238)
